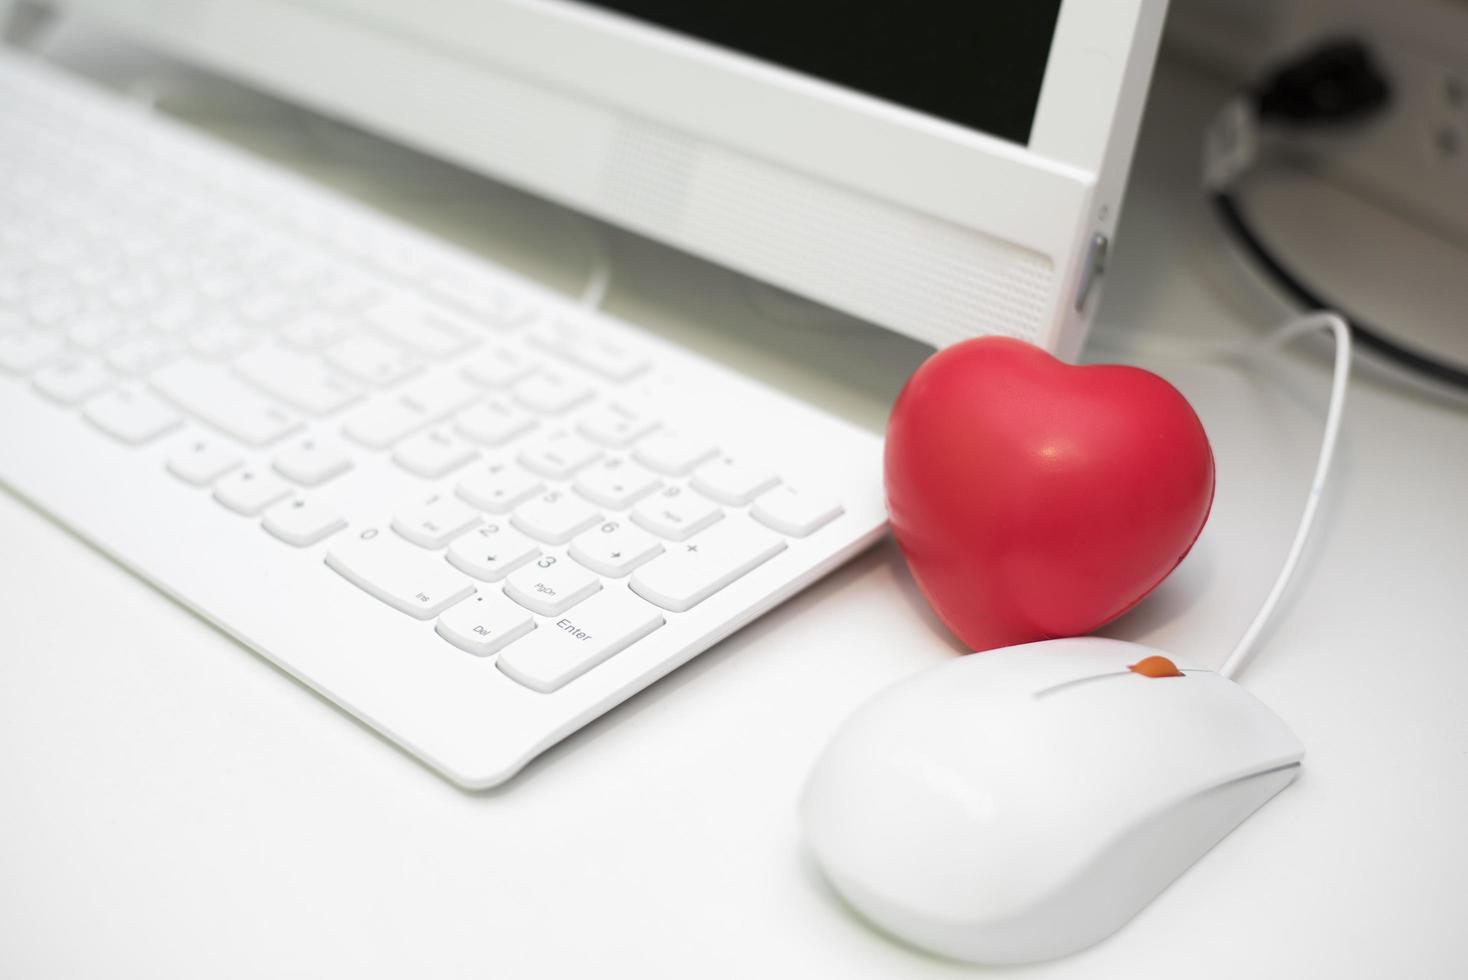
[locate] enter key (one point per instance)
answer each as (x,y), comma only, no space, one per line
(589,633)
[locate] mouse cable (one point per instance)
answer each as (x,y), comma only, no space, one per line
(1331,87)
(1298,326)
(1305,324)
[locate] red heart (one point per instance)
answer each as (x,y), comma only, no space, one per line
(1036,499)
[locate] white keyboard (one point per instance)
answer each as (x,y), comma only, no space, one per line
(461,507)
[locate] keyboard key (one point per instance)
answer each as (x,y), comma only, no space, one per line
(71,380)
(202,461)
(676,513)
(132,293)
(434,521)
(558,454)
(314,330)
(483,624)
(409,580)
(250,490)
(218,398)
(550,585)
(94,274)
(49,309)
(588,347)
(175,265)
(346,292)
(173,315)
(499,488)
(312,462)
(266,306)
(494,422)
(394,257)
(614,425)
(423,329)
(220,285)
(499,367)
(598,629)
(381,423)
(491,303)
(130,414)
(142,354)
(371,360)
(433,453)
(219,340)
(22,351)
(491,551)
(297,269)
(791,510)
(691,572)
(551,393)
(302,521)
(616,483)
(733,481)
(614,548)
(673,453)
(299,380)
(439,396)
(555,517)
(93,332)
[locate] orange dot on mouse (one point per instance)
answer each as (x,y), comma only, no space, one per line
(1156,667)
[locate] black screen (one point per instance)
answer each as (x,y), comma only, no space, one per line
(978,63)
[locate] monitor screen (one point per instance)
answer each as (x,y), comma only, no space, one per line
(978,63)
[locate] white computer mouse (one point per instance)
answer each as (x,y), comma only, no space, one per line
(1024,803)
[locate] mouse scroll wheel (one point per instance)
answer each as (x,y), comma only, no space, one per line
(1155,667)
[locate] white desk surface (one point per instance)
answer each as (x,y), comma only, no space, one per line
(172,806)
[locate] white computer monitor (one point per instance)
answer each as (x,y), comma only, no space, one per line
(942,169)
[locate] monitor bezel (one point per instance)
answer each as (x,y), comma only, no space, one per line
(813,126)
(1053,197)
